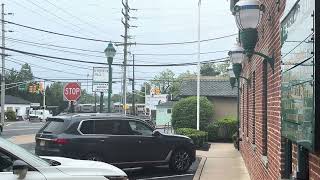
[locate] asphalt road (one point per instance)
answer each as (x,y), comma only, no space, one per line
(20,128)
(162,172)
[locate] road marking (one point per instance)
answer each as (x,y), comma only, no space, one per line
(23,139)
(7,130)
(165,177)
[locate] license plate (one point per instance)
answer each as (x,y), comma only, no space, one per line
(42,143)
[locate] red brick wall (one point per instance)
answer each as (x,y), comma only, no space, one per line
(252,150)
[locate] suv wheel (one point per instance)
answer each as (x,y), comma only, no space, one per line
(94,157)
(180,161)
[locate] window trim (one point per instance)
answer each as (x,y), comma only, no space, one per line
(144,124)
(80,124)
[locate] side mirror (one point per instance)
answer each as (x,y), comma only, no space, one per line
(20,168)
(156,133)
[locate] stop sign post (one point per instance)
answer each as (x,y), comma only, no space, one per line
(71,93)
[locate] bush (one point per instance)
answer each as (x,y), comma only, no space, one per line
(198,137)
(11,115)
(184,113)
(223,129)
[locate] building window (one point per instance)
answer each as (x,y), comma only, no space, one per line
(169,111)
(254,108)
(265,109)
(247,111)
(242,114)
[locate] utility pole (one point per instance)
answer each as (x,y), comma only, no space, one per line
(101,102)
(125,54)
(133,96)
(125,49)
(44,100)
(95,102)
(3,86)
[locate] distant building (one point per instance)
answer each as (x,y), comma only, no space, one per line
(18,105)
(163,113)
(218,92)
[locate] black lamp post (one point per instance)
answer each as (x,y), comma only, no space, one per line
(110,53)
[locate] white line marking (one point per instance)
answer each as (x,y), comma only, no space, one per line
(165,177)
(6,130)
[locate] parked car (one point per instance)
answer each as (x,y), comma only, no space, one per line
(117,139)
(17,163)
(39,115)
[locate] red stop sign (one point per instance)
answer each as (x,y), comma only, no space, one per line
(72,91)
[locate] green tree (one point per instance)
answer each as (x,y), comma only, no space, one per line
(184,113)
(54,97)
(213,69)
(164,81)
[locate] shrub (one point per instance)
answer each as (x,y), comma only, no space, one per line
(11,115)
(198,137)
(184,113)
(223,129)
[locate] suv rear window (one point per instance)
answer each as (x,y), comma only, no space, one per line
(54,126)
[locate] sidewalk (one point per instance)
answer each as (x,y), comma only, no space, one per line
(222,162)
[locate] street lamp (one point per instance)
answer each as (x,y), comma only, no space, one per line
(232,77)
(237,57)
(248,15)
(110,52)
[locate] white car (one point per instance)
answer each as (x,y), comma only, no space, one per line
(18,164)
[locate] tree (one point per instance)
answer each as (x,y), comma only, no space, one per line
(25,73)
(213,69)
(54,97)
(184,113)
(164,81)
(168,82)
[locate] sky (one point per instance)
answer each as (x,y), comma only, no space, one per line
(158,22)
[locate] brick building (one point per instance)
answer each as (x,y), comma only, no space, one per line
(279,124)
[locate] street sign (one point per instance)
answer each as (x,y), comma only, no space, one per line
(72,91)
(100,87)
(100,79)
(152,101)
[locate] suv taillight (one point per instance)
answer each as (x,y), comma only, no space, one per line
(60,141)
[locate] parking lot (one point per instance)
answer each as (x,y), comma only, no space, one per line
(28,129)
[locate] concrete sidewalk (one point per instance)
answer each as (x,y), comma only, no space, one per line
(222,162)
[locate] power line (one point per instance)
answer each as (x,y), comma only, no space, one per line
(119,43)
(62,19)
(116,64)
(13,60)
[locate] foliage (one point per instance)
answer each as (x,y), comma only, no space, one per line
(168,82)
(54,97)
(213,69)
(11,115)
(198,137)
(184,113)
(222,129)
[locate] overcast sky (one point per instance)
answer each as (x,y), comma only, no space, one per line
(159,21)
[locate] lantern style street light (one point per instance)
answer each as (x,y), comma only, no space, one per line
(248,15)
(232,77)
(237,56)
(110,52)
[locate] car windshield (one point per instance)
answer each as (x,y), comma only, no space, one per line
(22,153)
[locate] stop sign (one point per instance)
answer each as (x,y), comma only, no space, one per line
(72,91)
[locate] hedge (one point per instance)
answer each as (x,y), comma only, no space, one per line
(222,129)
(11,115)
(198,137)
(184,113)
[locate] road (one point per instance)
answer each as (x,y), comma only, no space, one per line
(22,133)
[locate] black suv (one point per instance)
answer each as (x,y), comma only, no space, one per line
(120,140)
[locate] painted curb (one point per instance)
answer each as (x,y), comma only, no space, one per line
(200,168)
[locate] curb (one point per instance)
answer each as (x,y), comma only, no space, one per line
(200,168)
